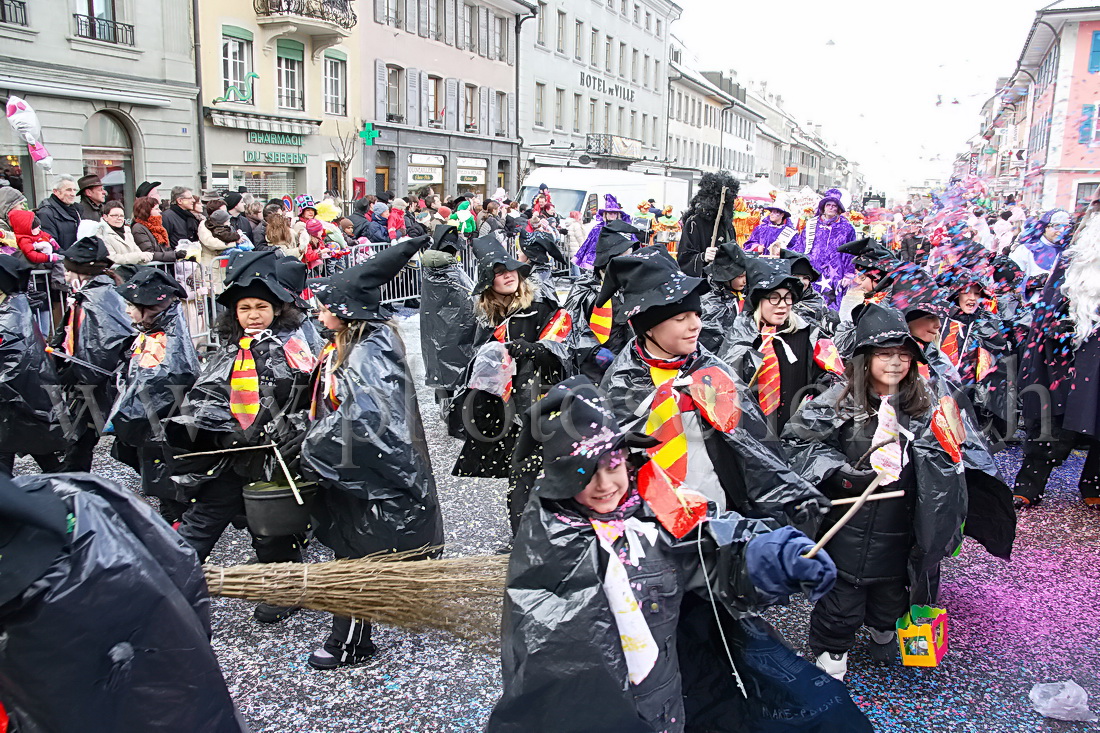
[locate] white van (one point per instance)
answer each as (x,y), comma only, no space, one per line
(583,189)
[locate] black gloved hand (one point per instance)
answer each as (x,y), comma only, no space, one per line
(850,481)
(181,254)
(520,349)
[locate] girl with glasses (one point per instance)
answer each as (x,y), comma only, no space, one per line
(773,348)
(879,421)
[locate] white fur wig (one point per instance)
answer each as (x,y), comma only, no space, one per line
(1082,283)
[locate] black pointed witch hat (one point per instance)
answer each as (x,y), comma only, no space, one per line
(616,238)
(491,254)
(254,275)
(356,293)
(765,274)
(647,279)
(728,263)
(541,247)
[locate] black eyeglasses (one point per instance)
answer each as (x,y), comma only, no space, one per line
(776,299)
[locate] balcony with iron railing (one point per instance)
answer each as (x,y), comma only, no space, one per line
(612,146)
(101,29)
(13,11)
(315,17)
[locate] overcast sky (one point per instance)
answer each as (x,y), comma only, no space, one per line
(870,73)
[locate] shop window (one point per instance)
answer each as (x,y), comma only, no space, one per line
(395,88)
(290,74)
(108,153)
(336,86)
(237,65)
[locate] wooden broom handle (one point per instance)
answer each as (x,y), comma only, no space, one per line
(847,516)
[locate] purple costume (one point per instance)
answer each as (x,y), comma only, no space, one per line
(833,266)
(586,253)
(766,233)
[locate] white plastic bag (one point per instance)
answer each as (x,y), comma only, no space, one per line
(1061,701)
(493,370)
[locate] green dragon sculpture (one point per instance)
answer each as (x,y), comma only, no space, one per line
(242,93)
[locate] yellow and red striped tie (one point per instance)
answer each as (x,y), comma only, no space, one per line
(950,344)
(666,425)
(768,376)
(600,322)
(244,386)
(76,320)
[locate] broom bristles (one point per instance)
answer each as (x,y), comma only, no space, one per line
(460,596)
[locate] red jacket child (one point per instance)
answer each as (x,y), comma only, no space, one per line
(36,245)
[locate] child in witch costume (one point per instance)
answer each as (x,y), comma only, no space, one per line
(534,330)
(811,306)
(161,368)
(600,329)
(541,250)
(31,410)
(623,592)
(291,273)
(770,347)
(608,213)
(97,331)
(252,392)
(447,324)
(726,298)
(714,439)
(888,555)
(1010,305)
(366,445)
(975,341)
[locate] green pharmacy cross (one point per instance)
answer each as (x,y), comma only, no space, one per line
(369,133)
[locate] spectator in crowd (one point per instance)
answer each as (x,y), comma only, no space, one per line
(1004,232)
(216,235)
(379,215)
(10,200)
(260,229)
(489,221)
(209,207)
(360,220)
(148,188)
(149,232)
(35,245)
(550,216)
(179,221)
(254,212)
(574,238)
(413,227)
(59,213)
(347,228)
(386,197)
(395,223)
(279,234)
(121,247)
(92,196)
(234,204)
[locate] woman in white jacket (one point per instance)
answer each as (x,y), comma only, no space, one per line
(121,247)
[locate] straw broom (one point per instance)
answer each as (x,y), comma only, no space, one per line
(461,596)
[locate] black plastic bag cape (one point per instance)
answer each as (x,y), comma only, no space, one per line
(371,459)
(447,324)
(983,362)
(103,340)
(161,369)
(206,423)
(562,660)
(32,411)
(721,307)
(115,636)
(812,438)
(580,302)
(990,515)
(757,480)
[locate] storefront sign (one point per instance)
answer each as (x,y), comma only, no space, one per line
(274,138)
(425,174)
(471,175)
(431,160)
(276,157)
(473,163)
(599,84)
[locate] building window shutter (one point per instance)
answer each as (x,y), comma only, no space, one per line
(1088,119)
(483,126)
(484,45)
(422,18)
(380,90)
(493,112)
(380,11)
(412,97)
(460,106)
(450,112)
(511,114)
(1094,53)
(425,113)
(449,28)
(508,42)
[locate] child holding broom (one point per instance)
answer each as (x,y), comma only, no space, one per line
(366,444)
(630,605)
(888,555)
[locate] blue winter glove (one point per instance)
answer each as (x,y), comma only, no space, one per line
(604,357)
(776,566)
